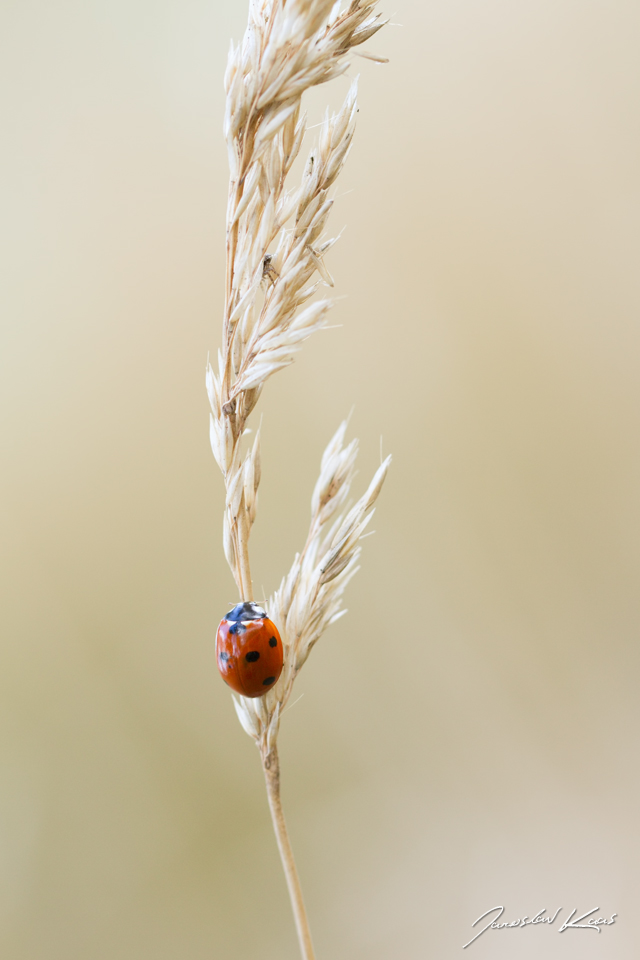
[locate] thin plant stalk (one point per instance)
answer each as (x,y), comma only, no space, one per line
(271,768)
(275,268)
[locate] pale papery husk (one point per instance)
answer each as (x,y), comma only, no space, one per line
(276,243)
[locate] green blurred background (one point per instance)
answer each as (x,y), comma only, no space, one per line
(468,734)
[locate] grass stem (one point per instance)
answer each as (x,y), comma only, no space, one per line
(271,767)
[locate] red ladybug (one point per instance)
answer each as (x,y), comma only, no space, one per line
(249,650)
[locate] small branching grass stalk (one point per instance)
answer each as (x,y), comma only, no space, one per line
(275,269)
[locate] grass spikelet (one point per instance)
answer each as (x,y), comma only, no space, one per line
(275,246)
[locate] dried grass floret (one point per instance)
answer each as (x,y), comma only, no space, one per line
(275,247)
(310,596)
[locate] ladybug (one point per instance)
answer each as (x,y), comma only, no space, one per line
(249,650)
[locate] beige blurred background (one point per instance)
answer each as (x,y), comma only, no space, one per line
(468,734)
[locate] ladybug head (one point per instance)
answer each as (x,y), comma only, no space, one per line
(246,611)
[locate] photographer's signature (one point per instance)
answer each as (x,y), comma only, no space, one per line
(585,922)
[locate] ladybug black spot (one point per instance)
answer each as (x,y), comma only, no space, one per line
(268,681)
(224,655)
(237,628)
(252,656)
(273,642)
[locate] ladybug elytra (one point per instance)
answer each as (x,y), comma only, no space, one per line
(249,650)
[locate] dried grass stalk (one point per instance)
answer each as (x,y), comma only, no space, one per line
(274,268)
